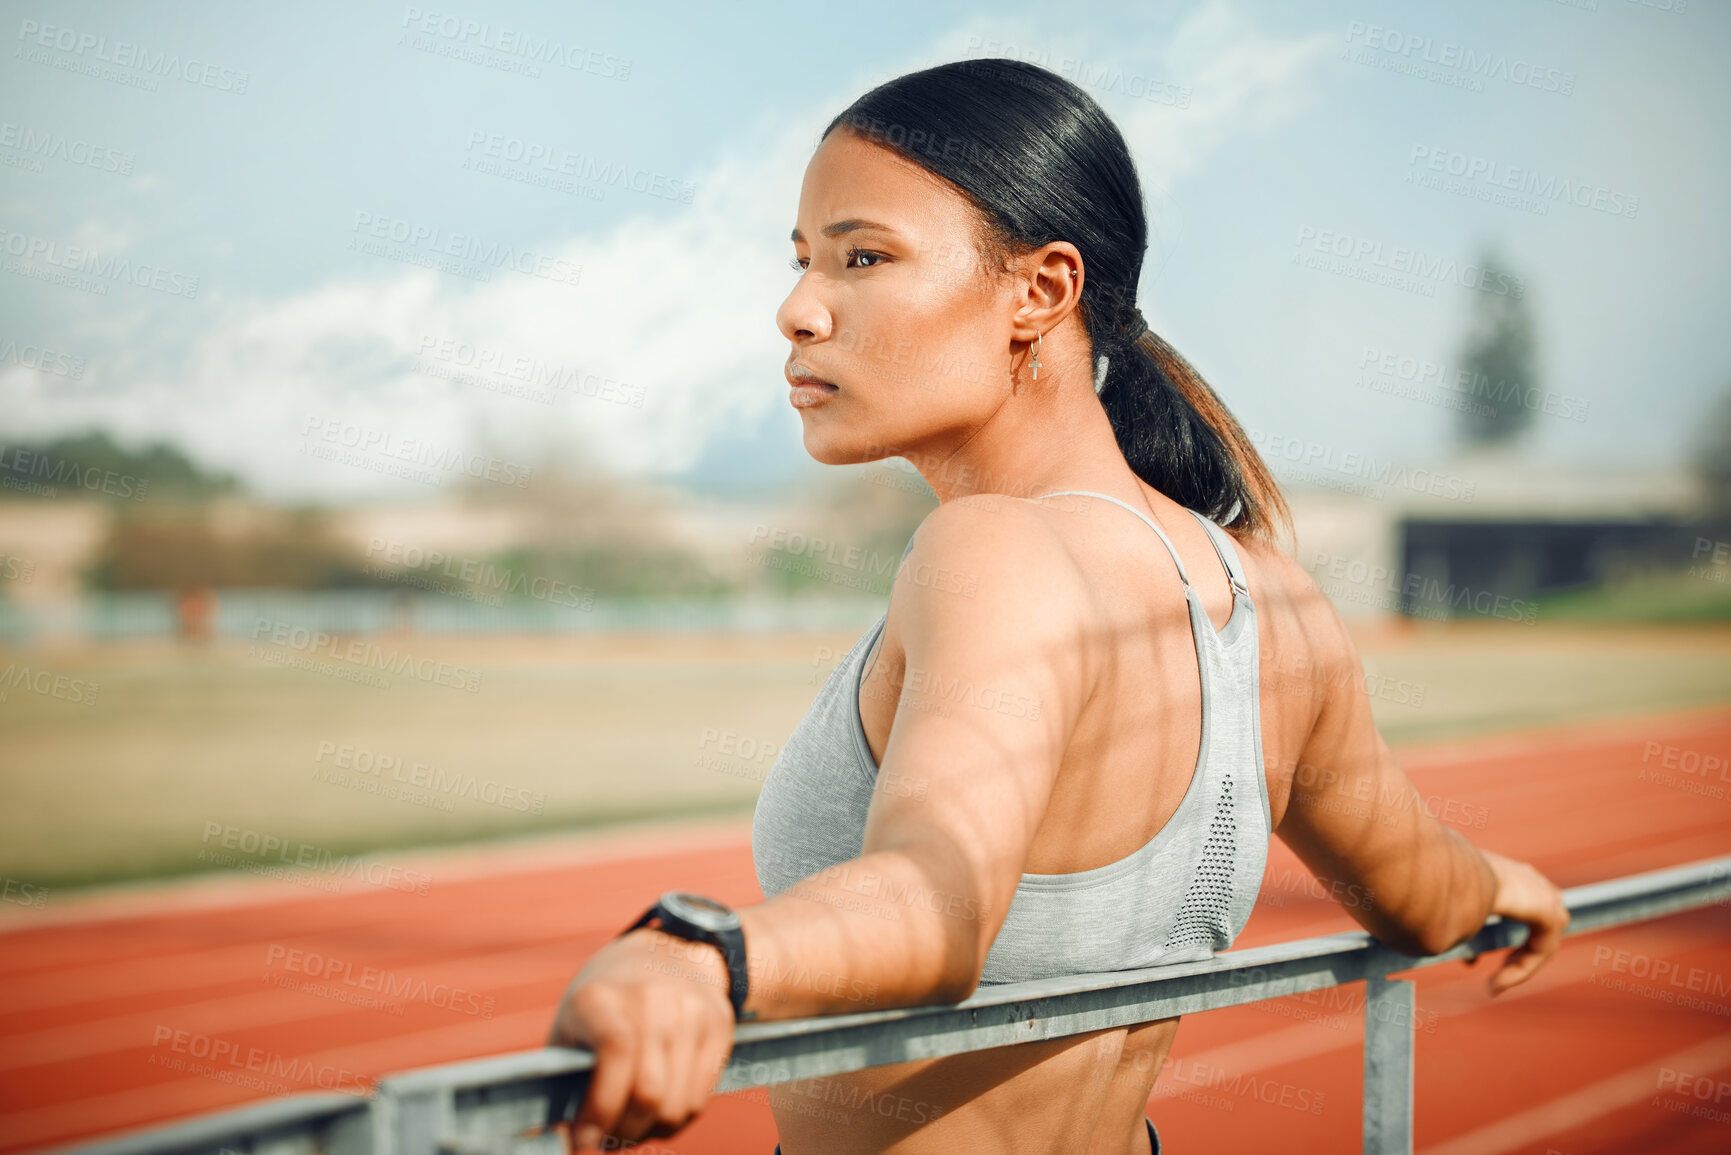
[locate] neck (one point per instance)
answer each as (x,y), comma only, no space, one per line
(1042,438)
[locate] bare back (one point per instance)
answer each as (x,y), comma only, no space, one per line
(1122,777)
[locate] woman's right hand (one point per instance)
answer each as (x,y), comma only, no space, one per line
(1525,895)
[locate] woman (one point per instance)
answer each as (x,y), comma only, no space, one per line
(1055,754)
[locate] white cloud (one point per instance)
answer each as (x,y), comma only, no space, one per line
(101,236)
(681,307)
(1177,96)
(1240,80)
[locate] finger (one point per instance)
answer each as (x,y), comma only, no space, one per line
(712,1058)
(635,1125)
(609,1087)
(1544,939)
(1499,980)
(1547,937)
(648,1085)
(710,1042)
(1516,969)
(675,1106)
(1509,978)
(561,1035)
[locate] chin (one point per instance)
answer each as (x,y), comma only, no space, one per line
(827,449)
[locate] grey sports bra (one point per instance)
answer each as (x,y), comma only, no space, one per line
(1181,896)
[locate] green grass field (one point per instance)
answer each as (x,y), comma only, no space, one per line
(594,730)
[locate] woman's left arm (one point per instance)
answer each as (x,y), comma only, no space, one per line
(994,680)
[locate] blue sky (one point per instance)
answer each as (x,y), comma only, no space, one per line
(1264,132)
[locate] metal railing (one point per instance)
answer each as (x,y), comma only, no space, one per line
(503,1105)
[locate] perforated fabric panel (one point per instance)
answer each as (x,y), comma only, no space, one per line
(1204,916)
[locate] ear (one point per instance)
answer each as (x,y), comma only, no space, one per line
(1048,287)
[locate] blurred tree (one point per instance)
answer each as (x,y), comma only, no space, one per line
(877,507)
(1499,353)
(620,568)
(1712,457)
(865,517)
(593,531)
(187,547)
(94,462)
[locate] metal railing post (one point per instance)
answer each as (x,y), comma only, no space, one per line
(411,1121)
(1388,1046)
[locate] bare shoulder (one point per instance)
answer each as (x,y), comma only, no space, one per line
(991,557)
(1309,665)
(1280,572)
(1288,595)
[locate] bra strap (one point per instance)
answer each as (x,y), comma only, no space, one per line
(1227,551)
(1176,560)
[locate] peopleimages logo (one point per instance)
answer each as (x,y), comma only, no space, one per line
(230,1062)
(360,655)
(1352,463)
(257,847)
(1470,62)
(17,464)
(47,684)
(408,562)
(357,766)
(1424,373)
(330,437)
(21,893)
(1546,187)
(87,262)
(1418,588)
(433,241)
(528,48)
(542,377)
(41,359)
(579,166)
(1365,259)
(43,145)
(372,980)
(124,54)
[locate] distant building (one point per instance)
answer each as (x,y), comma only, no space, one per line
(1483,534)
(45,547)
(1477,536)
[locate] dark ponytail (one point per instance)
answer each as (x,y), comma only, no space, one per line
(1042,162)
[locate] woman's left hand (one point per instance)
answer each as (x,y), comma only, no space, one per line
(655,1011)
(1525,895)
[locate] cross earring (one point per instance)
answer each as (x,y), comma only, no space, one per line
(1034,358)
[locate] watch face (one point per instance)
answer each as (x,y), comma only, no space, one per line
(701,911)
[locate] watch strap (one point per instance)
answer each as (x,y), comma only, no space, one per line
(732,946)
(730,942)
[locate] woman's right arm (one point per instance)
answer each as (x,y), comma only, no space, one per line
(1355,817)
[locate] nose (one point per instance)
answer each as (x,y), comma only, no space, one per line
(803,317)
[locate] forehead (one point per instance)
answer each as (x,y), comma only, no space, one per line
(849,178)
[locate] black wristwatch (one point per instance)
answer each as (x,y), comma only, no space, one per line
(699,919)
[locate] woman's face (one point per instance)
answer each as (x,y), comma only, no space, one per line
(895,317)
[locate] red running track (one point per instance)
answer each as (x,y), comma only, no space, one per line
(1622,1044)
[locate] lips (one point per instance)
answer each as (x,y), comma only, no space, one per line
(808,390)
(804,396)
(798,375)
